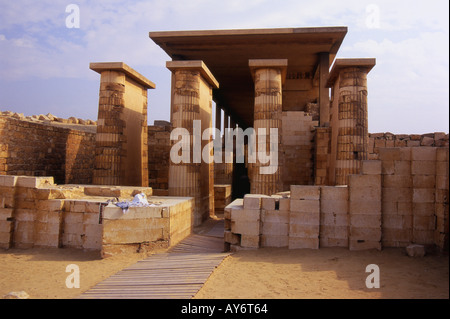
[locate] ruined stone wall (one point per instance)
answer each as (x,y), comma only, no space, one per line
(380,140)
(395,201)
(40,149)
(34,212)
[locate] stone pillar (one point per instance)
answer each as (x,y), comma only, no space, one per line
(192,85)
(121,153)
(268,76)
(349,78)
(324,91)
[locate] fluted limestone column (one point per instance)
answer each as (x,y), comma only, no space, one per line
(192,85)
(350,81)
(268,76)
(121,153)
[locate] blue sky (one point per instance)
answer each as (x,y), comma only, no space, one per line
(45,66)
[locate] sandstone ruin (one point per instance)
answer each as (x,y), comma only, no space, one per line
(335,184)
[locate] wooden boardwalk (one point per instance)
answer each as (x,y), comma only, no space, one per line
(179,273)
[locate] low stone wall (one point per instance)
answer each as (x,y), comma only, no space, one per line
(396,201)
(388,140)
(40,149)
(34,212)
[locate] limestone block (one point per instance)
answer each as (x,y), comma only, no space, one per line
(424,181)
(284,204)
(33,182)
(245,227)
(253,201)
(268,203)
(75,206)
(371,167)
(423,167)
(402,168)
(334,231)
(8,181)
(253,215)
(360,194)
(388,167)
(368,207)
(389,208)
(5,226)
(275,229)
(305,205)
(334,193)
(250,241)
(389,154)
(275,216)
(394,194)
(231,238)
(91,218)
(397,221)
(304,230)
(27,215)
(423,154)
(397,181)
(364,181)
(93,236)
(304,218)
(334,206)
(274,241)
(299,243)
(333,219)
(46,240)
(405,208)
(113,212)
(133,230)
(365,220)
(415,250)
(50,205)
(423,195)
(442,168)
(5,213)
(305,192)
(442,154)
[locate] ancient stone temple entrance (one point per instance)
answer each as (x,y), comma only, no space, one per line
(269,79)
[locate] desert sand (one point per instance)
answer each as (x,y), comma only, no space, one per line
(258,274)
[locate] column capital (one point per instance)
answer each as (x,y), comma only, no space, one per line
(340,64)
(194,65)
(280,64)
(100,67)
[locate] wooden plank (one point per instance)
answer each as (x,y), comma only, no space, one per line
(179,273)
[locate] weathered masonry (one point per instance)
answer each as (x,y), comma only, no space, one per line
(121,154)
(334,183)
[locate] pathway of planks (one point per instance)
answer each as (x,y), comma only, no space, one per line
(179,273)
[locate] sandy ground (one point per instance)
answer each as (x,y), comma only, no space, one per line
(258,274)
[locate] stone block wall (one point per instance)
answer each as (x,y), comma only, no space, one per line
(40,149)
(383,140)
(297,134)
(34,212)
(395,201)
